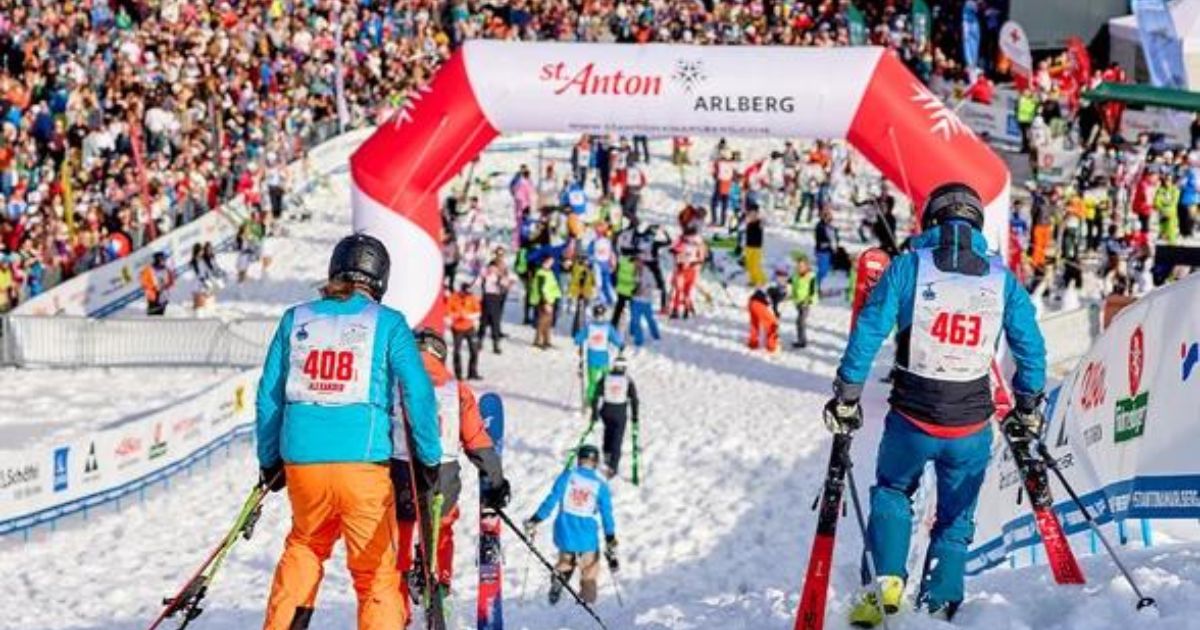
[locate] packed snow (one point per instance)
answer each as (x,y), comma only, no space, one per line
(716,536)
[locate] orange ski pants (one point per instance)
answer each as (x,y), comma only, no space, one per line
(763,323)
(354,502)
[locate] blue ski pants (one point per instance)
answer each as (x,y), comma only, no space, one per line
(642,311)
(960,465)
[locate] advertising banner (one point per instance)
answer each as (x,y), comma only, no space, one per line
(1123,427)
(38,484)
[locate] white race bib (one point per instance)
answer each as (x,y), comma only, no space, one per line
(597,339)
(331,356)
(616,389)
(957,320)
(580,497)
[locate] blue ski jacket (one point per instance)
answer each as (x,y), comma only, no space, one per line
(597,353)
(890,304)
(309,432)
(579,495)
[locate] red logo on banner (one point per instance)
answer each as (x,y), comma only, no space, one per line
(588,81)
(1137,359)
(1092,389)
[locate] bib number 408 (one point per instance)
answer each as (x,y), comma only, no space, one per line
(329,365)
(957,329)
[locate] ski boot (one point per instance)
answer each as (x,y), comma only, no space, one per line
(865,612)
(556,587)
(943,611)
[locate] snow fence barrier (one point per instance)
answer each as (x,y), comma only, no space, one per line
(44,484)
(1123,426)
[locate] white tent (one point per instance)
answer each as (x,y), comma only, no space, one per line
(1126,48)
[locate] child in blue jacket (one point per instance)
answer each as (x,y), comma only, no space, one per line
(580,495)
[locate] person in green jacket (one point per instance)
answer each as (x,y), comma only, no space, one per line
(804,295)
(626,285)
(544,293)
(1027,107)
(1166,203)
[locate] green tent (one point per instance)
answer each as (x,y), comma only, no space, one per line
(1135,94)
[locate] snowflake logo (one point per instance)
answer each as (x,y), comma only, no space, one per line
(945,122)
(404,115)
(689,74)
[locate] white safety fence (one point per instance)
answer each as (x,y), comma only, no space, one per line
(44,484)
(64,341)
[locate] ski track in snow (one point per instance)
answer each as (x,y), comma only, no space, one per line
(717,536)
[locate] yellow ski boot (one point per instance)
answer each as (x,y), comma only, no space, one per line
(865,612)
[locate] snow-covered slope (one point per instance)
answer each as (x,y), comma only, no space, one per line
(717,536)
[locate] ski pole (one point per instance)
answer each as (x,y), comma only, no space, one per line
(868,557)
(583,438)
(612,576)
(637,453)
(549,567)
(1143,601)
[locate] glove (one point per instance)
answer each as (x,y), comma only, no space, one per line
(272,478)
(1026,420)
(842,417)
(427,477)
(610,553)
(497,495)
(530,527)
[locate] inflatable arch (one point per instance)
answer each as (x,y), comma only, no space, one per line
(486,88)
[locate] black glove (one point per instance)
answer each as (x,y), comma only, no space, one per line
(843,414)
(842,417)
(272,477)
(1026,420)
(427,477)
(497,495)
(610,553)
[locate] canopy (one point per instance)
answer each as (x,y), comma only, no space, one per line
(1141,94)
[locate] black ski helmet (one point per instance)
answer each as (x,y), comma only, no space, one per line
(599,311)
(953,201)
(431,341)
(362,259)
(588,452)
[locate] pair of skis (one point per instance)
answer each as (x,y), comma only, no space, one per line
(810,614)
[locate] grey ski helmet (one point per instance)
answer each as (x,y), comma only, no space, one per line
(362,259)
(431,341)
(953,201)
(588,452)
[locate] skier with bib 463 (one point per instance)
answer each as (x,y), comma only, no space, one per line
(950,302)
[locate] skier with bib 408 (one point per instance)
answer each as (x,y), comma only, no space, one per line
(950,302)
(335,370)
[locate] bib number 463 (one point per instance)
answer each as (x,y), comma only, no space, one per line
(329,365)
(957,329)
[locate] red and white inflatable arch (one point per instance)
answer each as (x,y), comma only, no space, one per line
(486,88)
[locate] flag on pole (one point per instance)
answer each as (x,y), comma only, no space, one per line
(1015,47)
(921,19)
(857,25)
(970,34)
(1160,44)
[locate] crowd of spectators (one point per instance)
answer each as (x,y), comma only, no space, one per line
(122,119)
